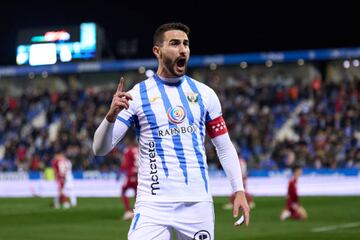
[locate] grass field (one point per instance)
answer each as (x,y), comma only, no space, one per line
(100,218)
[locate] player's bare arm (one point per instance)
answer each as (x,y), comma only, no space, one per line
(119,102)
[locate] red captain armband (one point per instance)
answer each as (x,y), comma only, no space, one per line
(216,127)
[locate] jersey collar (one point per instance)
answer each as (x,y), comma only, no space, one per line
(169,81)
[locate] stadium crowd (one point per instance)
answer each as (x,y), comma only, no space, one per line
(325,130)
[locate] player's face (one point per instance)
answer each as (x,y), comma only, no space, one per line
(173,54)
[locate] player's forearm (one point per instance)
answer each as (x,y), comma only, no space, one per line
(229,161)
(103,136)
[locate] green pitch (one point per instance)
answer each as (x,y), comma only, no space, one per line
(100,218)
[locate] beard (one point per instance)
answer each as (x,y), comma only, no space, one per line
(172,66)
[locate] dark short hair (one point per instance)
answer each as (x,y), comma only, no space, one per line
(159,33)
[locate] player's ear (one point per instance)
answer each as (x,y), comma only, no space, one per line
(156,51)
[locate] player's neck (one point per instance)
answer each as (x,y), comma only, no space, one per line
(171,79)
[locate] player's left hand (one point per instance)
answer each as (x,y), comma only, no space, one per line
(241,202)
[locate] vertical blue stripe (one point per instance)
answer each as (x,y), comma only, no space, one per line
(150,116)
(137,125)
(208,119)
(193,135)
(136,219)
(178,146)
(202,109)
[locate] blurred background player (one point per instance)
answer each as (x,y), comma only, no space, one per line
(249,197)
(63,175)
(293,208)
(129,167)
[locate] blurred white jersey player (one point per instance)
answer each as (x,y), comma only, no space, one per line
(63,175)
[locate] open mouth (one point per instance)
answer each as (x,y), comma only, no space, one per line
(181,62)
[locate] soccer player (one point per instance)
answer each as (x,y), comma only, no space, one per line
(129,166)
(293,208)
(63,175)
(172,112)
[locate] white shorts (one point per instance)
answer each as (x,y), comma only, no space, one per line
(158,221)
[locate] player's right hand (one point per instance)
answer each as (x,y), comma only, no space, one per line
(119,102)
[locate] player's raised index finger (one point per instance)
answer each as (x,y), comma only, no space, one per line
(121,84)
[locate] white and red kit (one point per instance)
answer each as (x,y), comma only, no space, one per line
(63,175)
(129,166)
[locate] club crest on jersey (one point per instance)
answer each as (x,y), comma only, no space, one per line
(192,97)
(176,115)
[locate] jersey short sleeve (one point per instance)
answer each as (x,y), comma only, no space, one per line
(213,107)
(215,124)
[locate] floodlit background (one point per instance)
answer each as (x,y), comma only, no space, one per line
(287,78)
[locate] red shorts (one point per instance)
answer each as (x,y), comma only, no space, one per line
(293,210)
(130,182)
(61,183)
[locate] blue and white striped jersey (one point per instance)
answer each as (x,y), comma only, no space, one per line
(171,122)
